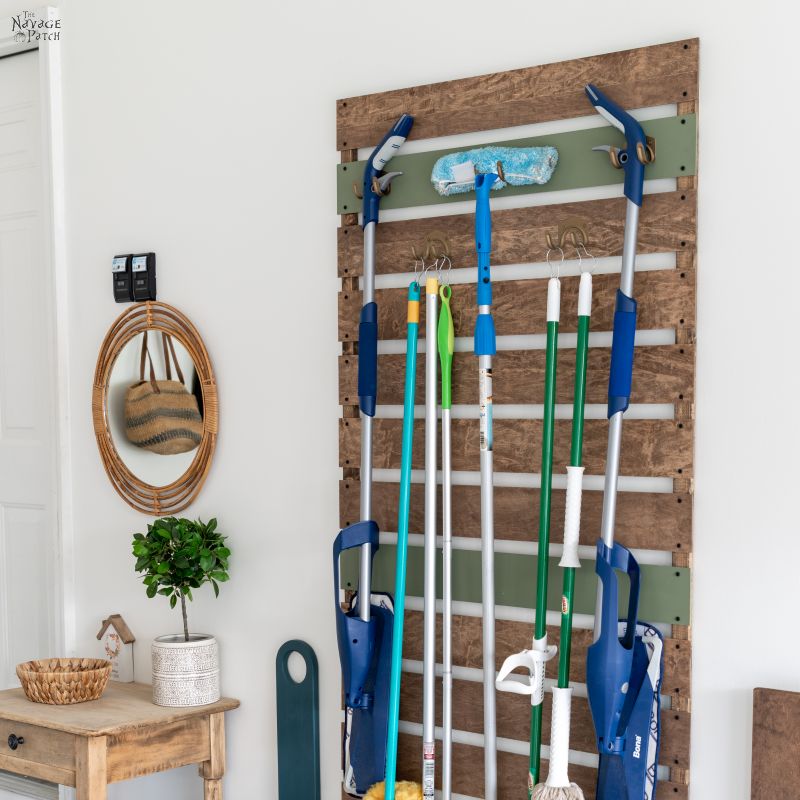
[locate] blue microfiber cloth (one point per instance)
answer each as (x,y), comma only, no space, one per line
(522,166)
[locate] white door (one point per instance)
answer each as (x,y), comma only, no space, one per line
(27,381)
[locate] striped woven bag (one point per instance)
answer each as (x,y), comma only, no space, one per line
(162,416)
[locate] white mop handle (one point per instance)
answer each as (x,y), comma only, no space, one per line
(585,295)
(553,300)
(559,739)
(572,518)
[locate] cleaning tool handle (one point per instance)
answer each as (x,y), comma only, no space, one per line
(553,300)
(585,295)
(483,236)
(572,519)
(610,659)
(368,358)
(446,343)
(558,775)
(621,374)
(357,637)
(403,508)
(635,141)
(380,157)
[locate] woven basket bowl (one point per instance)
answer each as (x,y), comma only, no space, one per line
(63,681)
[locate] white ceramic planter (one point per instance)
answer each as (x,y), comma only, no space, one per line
(185,673)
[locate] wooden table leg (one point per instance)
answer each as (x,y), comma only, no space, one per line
(213,769)
(90,768)
(212,789)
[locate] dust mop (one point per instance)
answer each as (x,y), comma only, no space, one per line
(482,169)
(365,631)
(558,785)
(624,665)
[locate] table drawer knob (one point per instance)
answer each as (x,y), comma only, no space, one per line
(15,741)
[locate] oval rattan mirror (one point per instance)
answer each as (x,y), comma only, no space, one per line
(156,436)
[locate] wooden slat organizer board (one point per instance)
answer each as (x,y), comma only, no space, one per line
(664,374)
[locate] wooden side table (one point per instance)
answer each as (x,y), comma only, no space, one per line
(120,736)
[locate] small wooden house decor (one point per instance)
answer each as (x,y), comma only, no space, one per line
(118,640)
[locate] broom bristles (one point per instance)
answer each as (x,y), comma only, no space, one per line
(403,790)
(545,792)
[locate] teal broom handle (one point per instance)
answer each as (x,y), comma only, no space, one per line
(402,537)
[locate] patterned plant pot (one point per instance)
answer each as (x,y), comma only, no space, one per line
(185,673)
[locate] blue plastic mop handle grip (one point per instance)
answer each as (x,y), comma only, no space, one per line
(635,141)
(621,374)
(357,638)
(368,358)
(610,659)
(380,157)
(485,340)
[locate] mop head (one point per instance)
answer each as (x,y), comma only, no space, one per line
(545,792)
(403,790)
(522,166)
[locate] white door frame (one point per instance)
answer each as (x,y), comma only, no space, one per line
(50,99)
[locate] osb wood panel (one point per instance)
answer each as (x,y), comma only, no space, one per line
(645,520)
(776,748)
(513,637)
(514,718)
(667,224)
(646,76)
(650,447)
(665,297)
(512,771)
(663,374)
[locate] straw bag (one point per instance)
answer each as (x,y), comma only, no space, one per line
(162,416)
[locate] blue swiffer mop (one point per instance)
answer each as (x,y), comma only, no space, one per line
(623,666)
(520,166)
(365,631)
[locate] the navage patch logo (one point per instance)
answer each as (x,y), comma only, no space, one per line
(27,27)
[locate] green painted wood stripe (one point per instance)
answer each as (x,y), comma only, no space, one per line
(664,596)
(578,167)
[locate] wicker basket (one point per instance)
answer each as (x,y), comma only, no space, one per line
(63,681)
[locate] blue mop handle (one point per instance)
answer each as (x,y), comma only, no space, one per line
(380,157)
(610,659)
(635,141)
(356,636)
(622,348)
(402,536)
(485,340)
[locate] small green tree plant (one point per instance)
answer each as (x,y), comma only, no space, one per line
(179,555)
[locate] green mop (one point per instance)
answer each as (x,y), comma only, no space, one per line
(534,659)
(558,785)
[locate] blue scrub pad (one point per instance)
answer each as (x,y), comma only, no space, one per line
(522,166)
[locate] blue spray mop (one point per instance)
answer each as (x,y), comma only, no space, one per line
(365,631)
(623,666)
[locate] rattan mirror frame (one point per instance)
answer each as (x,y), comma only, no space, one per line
(144,497)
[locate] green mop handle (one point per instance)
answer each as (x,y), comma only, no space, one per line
(446,344)
(572,519)
(540,630)
(402,538)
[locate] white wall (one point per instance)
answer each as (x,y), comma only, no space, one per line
(205,132)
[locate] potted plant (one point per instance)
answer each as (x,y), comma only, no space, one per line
(176,557)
